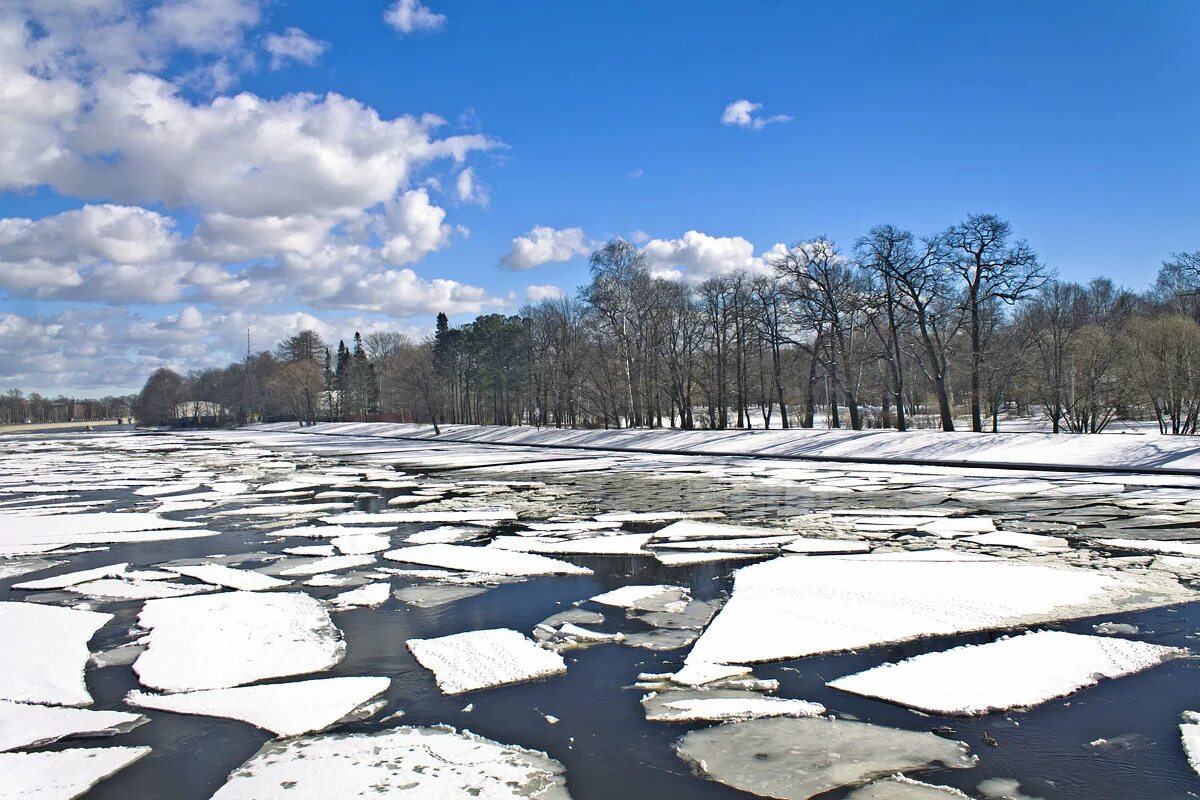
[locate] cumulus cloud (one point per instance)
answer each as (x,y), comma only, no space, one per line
(293,45)
(106,232)
(742,114)
(539,292)
(469,189)
(696,257)
(407,16)
(545,245)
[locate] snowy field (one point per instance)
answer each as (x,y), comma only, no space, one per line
(353,611)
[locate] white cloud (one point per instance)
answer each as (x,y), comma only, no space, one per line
(539,292)
(413,228)
(470,189)
(124,234)
(696,257)
(545,245)
(293,45)
(741,113)
(407,16)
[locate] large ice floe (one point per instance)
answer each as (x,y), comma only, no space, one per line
(63,774)
(233,638)
(228,577)
(30,534)
(798,758)
(45,652)
(1189,732)
(429,763)
(799,606)
(28,725)
(285,709)
(484,560)
(464,662)
(1021,671)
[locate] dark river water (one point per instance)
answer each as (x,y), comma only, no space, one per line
(608,748)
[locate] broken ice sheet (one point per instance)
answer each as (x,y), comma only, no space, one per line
(410,762)
(722,705)
(1189,731)
(660,597)
(464,662)
(232,638)
(805,605)
(228,577)
(374,594)
(484,560)
(285,709)
(1021,671)
(327,564)
(434,595)
(898,787)
(798,758)
(46,652)
(624,544)
(28,725)
(62,774)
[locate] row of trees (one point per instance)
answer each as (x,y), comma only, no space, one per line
(897,331)
(16,407)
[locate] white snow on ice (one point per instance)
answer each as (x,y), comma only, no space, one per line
(464,662)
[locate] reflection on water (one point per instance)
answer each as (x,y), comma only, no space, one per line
(602,738)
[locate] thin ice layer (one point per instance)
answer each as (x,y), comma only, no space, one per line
(804,605)
(228,639)
(1021,671)
(63,774)
(28,725)
(722,705)
(464,662)
(484,560)
(794,759)
(285,709)
(45,652)
(402,762)
(898,787)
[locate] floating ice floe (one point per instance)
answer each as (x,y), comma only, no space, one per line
(702,557)
(28,535)
(464,662)
(1151,546)
(1021,671)
(657,516)
(761,544)
(413,762)
(691,529)
(228,639)
(953,527)
(329,564)
(28,725)
(315,550)
(722,705)
(46,652)
(484,514)
(1025,541)
(898,787)
(374,594)
(644,598)
(485,560)
(329,531)
(362,543)
(434,595)
(288,510)
(625,544)
(229,577)
(73,578)
(16,567)
(1189,731)
(63,774)
(118,589)
(805,605)
(814,546)
(798,758)
(285,709)
(443,535)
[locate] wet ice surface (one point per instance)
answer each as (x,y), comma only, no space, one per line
(1121,738)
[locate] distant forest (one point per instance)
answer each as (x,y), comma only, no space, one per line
(898,331)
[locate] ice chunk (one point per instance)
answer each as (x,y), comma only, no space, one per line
(72,578)
(657,516)
(812,545)
(690,529)
(1025,541)
(63,774)
(1151,546)
(464,662)
(285,709)
(761,544)
(702,557)
(483,514)
(444,535)
(26,725)
(698,673)
(1021,671)
(951,527)
(229,577)
(223,640)
(13,568)
(482,559)
(116,589)
(1189,730)
(431,596)
(625,544)
(329,564)
(400,762)
(285,510)
(374,594)
(362,543)
(644,598)
(794,759)
(317,550)
(46,652)
(898,787)
(722,705)
(30,534)
(661,639)
(804,605)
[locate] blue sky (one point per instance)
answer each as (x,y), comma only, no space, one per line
(1077,122)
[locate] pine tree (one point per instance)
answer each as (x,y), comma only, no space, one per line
(328,376)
